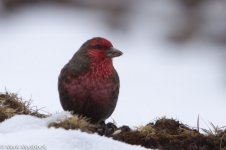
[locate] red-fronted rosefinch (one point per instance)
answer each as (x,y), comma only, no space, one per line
(89,84)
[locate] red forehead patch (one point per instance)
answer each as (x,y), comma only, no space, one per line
(100,41)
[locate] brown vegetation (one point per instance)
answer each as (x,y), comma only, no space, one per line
(11,104)
(167,134)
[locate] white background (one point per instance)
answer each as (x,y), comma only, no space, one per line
(157,78)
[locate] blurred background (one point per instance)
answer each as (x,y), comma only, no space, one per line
(173,63)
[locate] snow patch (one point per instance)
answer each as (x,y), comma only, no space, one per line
(25,130)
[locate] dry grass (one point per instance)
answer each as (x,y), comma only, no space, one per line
(164,134)
(167,134)
(171,135)
(11,104)
(74,123)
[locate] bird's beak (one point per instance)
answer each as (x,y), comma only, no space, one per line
(113,52)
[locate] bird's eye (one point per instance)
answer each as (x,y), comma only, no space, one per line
(97,46)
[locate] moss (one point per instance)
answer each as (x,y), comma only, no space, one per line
(163,134)
(170,134)
(11,104)
(74,122)
(167,134)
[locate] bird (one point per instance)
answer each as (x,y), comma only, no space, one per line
(88,84)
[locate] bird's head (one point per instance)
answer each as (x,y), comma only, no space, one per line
(95,54)
(99,49)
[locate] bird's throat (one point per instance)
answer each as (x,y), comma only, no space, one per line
(101,69)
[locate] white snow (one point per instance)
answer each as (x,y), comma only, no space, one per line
(26,131)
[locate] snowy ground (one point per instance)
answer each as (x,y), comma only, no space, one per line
(157,78)
(30,133)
